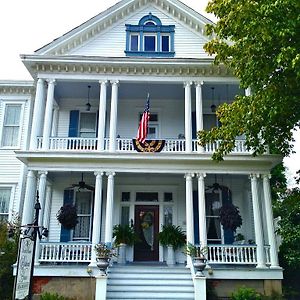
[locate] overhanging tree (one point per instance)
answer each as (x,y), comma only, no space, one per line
(259,41)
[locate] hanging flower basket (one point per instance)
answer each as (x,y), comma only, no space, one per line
(67,216)
(230,217)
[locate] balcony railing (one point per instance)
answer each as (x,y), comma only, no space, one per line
(217,254)
(126,145)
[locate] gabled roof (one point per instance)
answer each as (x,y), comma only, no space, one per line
(122,9)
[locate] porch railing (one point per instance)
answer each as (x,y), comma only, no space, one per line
(126,145)
(65,252)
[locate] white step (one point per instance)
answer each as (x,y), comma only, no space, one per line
(149,296)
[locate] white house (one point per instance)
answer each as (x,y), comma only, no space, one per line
(52,141)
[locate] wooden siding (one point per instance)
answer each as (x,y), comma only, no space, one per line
(112,42)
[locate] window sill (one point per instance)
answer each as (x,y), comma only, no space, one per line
(150,53)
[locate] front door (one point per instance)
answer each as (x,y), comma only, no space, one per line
(146,226)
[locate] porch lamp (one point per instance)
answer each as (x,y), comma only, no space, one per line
(88,105)
(213,106)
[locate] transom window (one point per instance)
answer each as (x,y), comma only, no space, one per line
(4,203)
(11,125)
(150,38)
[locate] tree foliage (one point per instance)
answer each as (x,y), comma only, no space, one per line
(259,41)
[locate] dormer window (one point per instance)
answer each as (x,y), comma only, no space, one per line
(150,38)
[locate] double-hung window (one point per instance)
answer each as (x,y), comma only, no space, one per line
(150,38)
(87,125)
(11,125)
(5,194)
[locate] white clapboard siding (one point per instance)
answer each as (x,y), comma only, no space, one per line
(112,42)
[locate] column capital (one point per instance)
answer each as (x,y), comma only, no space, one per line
(254,176)
(40,173)
(189,175)
(51,81)
(96,173)
(103,82)
(115,82)
(266,176)
(187,83)
(201,175)
(110,173)
(199,83)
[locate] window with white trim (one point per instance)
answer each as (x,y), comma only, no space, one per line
(83,203)
(87,125)
(11,125)
(5,194)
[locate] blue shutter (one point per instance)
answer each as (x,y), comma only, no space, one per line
(227,199)
(65,234)
(73,124)
(196,217)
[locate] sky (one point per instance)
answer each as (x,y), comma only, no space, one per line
(25,26)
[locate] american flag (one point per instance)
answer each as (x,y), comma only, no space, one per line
(143,128)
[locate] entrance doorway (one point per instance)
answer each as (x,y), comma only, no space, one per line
(147,228)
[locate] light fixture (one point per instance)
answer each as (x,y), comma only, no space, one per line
(88,105)
(213,106)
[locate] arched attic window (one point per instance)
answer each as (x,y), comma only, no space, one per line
(150,38)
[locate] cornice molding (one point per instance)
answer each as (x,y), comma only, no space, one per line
(19,90)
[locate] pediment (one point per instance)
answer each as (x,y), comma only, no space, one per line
(85,39)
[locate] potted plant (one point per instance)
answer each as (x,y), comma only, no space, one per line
(124,235)
(197,253)
(67,216)
(104,252)
(230,217)
(239,239)
(173,238)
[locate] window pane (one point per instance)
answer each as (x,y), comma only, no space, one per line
(168,215)
(4,203)
(168,197)
(134,43)
(142,196)
(10,136)
(12,115)
(88,125)
(125,215)
(11,125)
(149,44)
(165,43)
(125,196)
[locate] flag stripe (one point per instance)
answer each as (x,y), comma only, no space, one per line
(143,127)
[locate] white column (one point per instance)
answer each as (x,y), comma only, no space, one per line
(102,115)
(55,121)
(38,113)
(47,210)
(199,110)
(202,212)
(257,223)
(188,116)
(28,209)
(97,215)
(48,114)
(42,196)
(270,222)
(189,208)
(113,116)
(109,207)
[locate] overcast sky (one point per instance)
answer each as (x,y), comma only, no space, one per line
(30,24)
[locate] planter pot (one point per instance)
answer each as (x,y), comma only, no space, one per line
(122,254)
(171,256)
(199,265)
(102,264)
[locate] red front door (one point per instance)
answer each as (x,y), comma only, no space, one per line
(147,228)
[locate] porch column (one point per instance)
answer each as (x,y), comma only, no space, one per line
(257,223)
(48,114)
(47,210)
(42,196)
(113,116)
(199,111)
(102,115)
(29,200)
(97,215)
(269,221)
(38,113)
(189,208)
(202,212)
(55,121)
(188,116)
(109,207)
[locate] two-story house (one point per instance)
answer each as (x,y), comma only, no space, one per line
(75,139)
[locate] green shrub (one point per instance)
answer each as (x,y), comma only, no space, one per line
(244,293)
(50,296)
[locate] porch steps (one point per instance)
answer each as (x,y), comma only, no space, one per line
(149,282)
